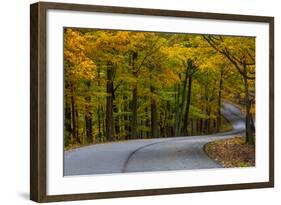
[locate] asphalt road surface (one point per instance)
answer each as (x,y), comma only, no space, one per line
(145,155)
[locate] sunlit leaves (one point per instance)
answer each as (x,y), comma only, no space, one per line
(78,65)
(157,66)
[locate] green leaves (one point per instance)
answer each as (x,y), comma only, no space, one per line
(156,79)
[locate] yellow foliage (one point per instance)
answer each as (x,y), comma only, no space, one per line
(80,66)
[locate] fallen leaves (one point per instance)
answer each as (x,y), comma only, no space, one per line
(232,152)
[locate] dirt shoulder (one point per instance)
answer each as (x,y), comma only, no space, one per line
(232,152)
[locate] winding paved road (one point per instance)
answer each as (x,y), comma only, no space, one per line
(161,154)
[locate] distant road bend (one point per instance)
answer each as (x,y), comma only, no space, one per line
(161,154)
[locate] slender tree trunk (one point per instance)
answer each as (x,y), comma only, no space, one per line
(182,105)
(141,132)
(208,121)
(99,123)
(134,122)
(166,117)
(99,107)
(77,127)
(154,123)
(116,121)
(161,128)
(177,109)
(88,123)
(162,118)
(214,128)
(103,121)
(186,114)
(88,116)
(249,134)
(126,118)
(122,119)
(67,122)
(201,122)
(219,103)
(169,119)
(109,103)
(147,121)
(207,110)
(193,125)
(134,133)
(74,117)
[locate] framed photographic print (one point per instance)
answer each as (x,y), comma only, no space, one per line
(134,102)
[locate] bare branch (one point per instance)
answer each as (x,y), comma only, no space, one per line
(117,86)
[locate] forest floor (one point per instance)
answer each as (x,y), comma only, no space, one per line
(232,152)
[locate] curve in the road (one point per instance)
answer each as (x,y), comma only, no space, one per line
(135,151)
(161,154)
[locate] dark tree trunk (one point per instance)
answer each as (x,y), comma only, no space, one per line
(67,113)
(116,122)
(134,133)
(249,133)
(161,128)
(214,128)
(74,118)
(207,109)
(201,127)
(197,126)
(219,103)
(99,107)
(134,122)
(88,123)
(103,121)
(99,123)
(126,118)
(193,126)
(147,121)
(186,114)
(182,105)
(88,116)
(169,118)
(154,123)
(162,123)
(177,109)
(77,127)
(67,122)
(141,132)
(208,121)
(109,103)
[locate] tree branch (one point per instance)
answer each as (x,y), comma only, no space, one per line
(227,54)
(148,54)
(117,86)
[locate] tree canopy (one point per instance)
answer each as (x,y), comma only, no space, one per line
(121,85)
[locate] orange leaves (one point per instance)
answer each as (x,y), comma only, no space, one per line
(169,78)
(253,110)
(80,66)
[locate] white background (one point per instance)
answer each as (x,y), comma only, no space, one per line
(14,101)
(57,184)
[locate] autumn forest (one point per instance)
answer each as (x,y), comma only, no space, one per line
(123,85)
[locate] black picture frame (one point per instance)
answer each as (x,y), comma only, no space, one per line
(38,101)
